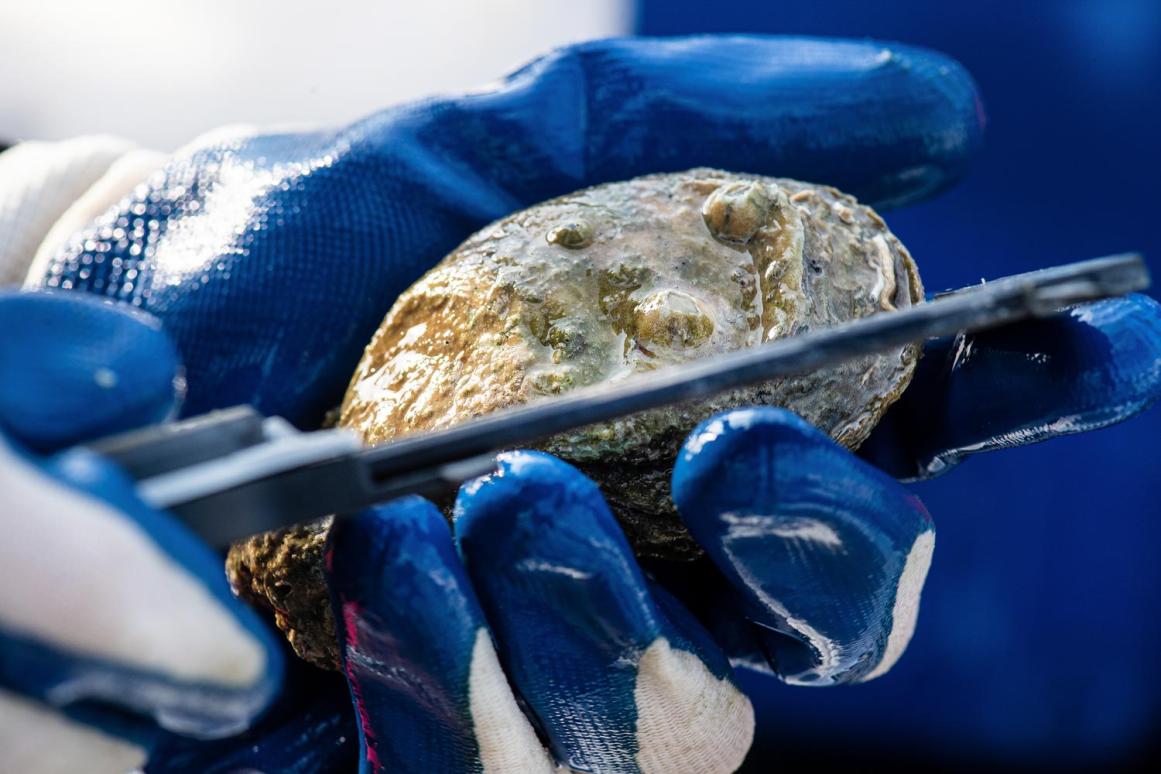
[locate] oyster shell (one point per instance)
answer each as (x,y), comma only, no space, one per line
(282,571)
(601,285)
(618,280)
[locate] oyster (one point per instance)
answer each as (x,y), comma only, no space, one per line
(615,281)
(607,284)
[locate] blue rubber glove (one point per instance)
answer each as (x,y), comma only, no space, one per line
(815,564)
(796,521)
(1082,369)
(544,601)
(748,477)
(102,598)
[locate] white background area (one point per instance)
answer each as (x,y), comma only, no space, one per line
(161,71)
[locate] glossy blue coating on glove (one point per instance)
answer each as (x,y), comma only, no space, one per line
(828,554)
(77,368)
(551,565)
(408,621)
(552,598)
(1081,369)
(104,598)
(272,258)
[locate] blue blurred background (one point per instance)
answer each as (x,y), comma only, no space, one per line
(1039,639)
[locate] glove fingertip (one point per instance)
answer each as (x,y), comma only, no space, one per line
(827,554)
(110,368)
(484,512)
(412,638)
(1080,369)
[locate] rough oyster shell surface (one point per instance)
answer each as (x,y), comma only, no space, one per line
(621,279)
(282,571)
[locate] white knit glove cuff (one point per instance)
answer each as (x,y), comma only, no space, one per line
(50,190)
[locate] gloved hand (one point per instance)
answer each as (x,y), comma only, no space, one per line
(815,563)
(302,241)
(551,573)
(101,598)
(616,673)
